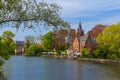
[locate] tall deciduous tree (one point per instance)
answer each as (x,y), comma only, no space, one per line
(7,37)
(47,41)
(110,38)
(31,40)
(96,30)
(63,38)
(3,51)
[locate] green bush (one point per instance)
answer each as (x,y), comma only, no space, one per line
(30,53)
(104,52)
(85,53)
(79,56)
(119,52)
(112,56)
(34,50)
(100,51)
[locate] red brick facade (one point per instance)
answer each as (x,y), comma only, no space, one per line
(78,45)
(82,41)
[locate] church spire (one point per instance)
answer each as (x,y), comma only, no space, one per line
(80,32)
(80,26)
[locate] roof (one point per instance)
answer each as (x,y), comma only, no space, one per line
(19,43)
(83,39)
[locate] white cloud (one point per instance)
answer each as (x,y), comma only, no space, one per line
(92,12)
(75,8)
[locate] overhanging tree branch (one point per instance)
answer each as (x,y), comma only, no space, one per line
(26,11)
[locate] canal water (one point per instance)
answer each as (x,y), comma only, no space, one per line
(42,68)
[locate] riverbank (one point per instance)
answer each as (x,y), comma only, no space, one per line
(88,59)
(99,60)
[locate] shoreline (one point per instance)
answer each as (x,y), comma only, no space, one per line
(99,60)
(83,59)
(88,59)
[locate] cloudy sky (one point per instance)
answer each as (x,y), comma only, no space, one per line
(88,12)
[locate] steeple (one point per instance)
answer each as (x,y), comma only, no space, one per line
(80,26)
(80,32)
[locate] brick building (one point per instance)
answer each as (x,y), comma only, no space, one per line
(19,47)
(81,40)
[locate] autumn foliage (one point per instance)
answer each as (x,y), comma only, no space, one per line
(96,30)
(63,38)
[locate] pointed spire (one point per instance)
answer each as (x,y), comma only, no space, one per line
(80,26)
(80,32)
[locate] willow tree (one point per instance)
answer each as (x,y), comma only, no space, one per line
(30,14)
(110,38)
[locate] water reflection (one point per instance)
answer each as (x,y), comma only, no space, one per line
(2,77)
(40,68)
(94,71)
(113,69)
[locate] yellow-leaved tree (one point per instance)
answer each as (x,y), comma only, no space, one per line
(110,39)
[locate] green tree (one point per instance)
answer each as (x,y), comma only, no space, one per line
(28,41)
(7,38)
(12,46)
(100,51)
(34,50)
(3,51)
(110,38)
(85,52)
(7,35)
(31,50)
(47,41)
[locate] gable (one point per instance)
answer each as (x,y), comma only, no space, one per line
(83,39)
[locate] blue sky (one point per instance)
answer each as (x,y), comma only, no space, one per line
(88,12)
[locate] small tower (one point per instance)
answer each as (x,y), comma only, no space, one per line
(80,32)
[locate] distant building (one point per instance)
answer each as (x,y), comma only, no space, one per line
(19,47)
(81,41)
